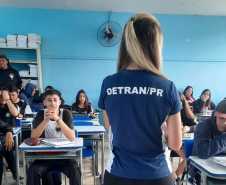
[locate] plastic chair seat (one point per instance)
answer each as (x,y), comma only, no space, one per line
(88,152)
(87,144)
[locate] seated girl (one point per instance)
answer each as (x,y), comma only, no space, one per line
(203,101)
(188,94)
(82,105)
(189,122)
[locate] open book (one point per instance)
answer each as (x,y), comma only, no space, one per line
(57,142)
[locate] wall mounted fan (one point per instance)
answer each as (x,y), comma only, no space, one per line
(109,33)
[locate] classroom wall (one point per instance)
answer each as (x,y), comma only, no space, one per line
(72,59)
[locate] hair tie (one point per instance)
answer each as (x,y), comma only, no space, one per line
(134,20)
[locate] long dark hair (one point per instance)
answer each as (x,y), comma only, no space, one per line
(186,111)
(86,103)
(185,90)
(208,102)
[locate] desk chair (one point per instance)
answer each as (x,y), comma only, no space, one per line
(85,143)
(88,152)
(19,124)
(188,145)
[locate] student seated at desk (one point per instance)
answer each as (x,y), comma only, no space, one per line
(82,105)
(188,94)
(22,106)
(8,114)
(203,101)
(210,137)
(53,122)
(188,119)
(7,144)
(42,97)
(28,96)
(188,125)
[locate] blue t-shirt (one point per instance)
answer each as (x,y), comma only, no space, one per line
(137,104)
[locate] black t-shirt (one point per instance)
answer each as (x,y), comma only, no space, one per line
(7,117)
(81,110)
(5,127)
(10,76)
(22,105)
(67,119)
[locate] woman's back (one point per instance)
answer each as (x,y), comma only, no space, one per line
(138,103)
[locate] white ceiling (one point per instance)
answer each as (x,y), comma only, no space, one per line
(187,7)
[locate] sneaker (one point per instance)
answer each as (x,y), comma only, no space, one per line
(177,181)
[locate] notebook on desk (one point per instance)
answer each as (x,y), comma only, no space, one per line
(220,160)
(57,142)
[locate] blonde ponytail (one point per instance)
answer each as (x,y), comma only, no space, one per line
(142,43)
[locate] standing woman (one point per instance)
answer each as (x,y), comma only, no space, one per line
(136,102)
(203,101)
(81,104)
(188,94)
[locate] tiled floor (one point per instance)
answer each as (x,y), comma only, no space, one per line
(87,169)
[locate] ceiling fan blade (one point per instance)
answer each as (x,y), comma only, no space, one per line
(107,28)
(105,40)
(115,34)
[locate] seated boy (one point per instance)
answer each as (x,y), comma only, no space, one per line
(210,137)
(23,107)
(8,114)
(7,143)
(53,122)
